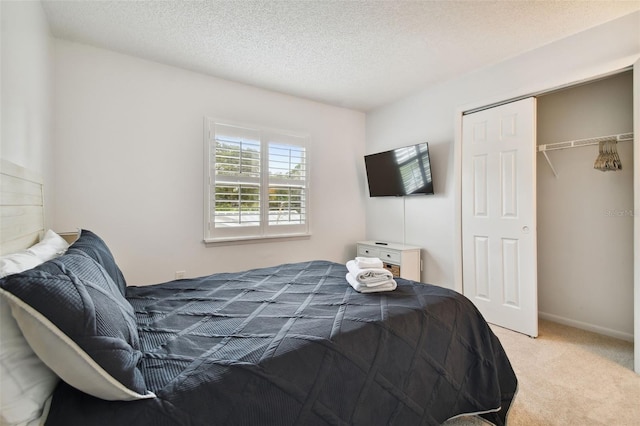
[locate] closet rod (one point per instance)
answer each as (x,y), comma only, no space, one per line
(622,137)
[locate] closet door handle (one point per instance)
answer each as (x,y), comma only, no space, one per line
(525,229)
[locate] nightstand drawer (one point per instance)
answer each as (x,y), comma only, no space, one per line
(368,251)
(390,256)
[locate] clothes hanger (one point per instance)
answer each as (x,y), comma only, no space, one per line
(608,158)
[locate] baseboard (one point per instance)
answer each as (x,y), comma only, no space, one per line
(586,326)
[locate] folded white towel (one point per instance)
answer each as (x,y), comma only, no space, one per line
(368,276)
(388,285)
(368,262)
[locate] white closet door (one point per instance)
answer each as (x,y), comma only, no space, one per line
(498,214)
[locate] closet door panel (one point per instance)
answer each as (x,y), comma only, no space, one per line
(509,184)
(480,185)
(481,262)
(510,273)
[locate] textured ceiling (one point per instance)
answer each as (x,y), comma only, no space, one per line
(356,54)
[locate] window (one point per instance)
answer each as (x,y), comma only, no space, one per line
(257,183)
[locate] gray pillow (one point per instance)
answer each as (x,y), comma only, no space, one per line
(90,330)
(95,247)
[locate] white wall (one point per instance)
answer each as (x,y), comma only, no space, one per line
(27,90)
(430,115)
(129,146)
(585,220)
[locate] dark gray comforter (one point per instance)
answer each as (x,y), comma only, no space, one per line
(296,345)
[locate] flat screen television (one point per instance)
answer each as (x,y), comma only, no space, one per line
(400,171)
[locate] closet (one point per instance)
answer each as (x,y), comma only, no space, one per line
(585,215)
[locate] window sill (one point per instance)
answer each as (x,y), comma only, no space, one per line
(214,242)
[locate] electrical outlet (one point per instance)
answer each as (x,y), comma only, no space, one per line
(180,275)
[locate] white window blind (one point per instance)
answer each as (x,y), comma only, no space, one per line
(257,183)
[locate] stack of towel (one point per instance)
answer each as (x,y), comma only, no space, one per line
(367,275)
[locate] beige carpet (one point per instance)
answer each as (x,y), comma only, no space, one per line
(569,377)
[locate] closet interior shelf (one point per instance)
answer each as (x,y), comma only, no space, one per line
(622,137)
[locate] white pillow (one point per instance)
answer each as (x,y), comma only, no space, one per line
(26,382)
(17,262)
(51,245)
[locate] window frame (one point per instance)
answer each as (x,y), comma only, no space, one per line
(264,230)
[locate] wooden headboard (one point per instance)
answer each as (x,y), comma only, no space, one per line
(21,207)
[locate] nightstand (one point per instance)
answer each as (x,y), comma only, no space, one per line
(402,260)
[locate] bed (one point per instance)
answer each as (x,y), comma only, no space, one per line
(291,344)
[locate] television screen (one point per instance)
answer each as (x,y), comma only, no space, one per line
(401,171)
